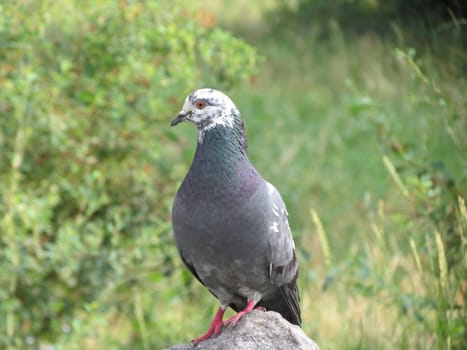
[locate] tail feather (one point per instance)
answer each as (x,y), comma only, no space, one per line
(286,302)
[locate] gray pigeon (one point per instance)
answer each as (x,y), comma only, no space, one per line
(230,224)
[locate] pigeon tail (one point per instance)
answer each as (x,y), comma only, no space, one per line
(286,302)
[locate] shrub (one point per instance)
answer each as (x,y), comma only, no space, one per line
(87,165)
(419,17)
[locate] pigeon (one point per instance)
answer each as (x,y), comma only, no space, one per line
(230,225)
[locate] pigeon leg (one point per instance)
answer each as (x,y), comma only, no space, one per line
(234,319)
(214,328)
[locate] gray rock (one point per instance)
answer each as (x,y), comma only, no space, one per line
(256,330)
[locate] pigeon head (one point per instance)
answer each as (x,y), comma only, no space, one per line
(209,109)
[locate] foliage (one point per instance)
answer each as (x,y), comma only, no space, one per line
(416,261)
(364,136)
(88,166)
(417,17)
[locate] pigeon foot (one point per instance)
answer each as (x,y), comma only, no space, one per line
(234,319)
(214,328)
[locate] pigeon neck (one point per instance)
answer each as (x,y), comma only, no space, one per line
(221,169)
(222,144)
(221,161)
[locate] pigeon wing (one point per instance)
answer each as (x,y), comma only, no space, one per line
(283,264)
(191,267)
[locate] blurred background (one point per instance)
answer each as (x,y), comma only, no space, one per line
(355,110)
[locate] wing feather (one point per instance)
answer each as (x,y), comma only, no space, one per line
(283,267)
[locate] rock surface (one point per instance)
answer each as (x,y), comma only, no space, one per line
(256,330)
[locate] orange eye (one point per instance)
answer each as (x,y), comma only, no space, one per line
(200,104)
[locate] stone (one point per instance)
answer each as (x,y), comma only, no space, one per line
(256,330)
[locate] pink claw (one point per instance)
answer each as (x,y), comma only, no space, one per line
(214,328)
(234,319)
(217,324)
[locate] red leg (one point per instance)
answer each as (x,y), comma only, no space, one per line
(214,328)
(233,320)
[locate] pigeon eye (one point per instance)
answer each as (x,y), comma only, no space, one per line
(200,104)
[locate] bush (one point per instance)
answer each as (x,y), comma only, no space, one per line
(88,166)
(419,17)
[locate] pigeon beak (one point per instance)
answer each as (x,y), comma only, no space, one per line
(181,117)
